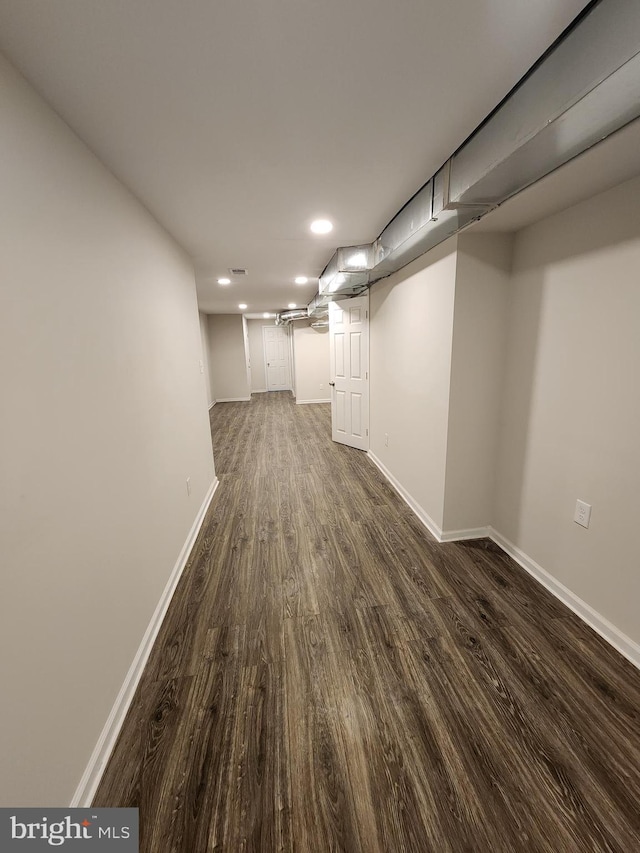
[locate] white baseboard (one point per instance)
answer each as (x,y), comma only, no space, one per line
(303,402)
(234,400)
(623,644)
(434,529)
(462,535)
(423,516)
(211,405)
(93,773)
(258,390)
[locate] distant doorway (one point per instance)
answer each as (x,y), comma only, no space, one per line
(276,358)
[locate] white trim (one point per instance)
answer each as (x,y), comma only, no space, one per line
(211,405)
(616,638)
(623,644)
(302,402)
(233,400)
(462,535)
(428,522)
(95,768)
(258,390)
(434,529)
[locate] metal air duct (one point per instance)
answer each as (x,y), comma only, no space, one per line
(287,317)
(586,87)
(319,306)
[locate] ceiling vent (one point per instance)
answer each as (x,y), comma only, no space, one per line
(237,271)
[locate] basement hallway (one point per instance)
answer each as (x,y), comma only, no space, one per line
(330,678)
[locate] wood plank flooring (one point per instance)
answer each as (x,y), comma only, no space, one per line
(329,678)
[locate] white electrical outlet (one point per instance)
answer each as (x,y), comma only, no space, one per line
(188,485)
(582,514)
(201,366)
(321,387)
(386,439)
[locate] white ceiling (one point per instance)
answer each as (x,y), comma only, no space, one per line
(237,122)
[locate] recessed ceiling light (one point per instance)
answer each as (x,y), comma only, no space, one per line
(224,281)
(301,279)
(242,306)
(321,226)
(291,305)
(266,315)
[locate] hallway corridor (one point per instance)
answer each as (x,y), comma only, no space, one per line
(329,677)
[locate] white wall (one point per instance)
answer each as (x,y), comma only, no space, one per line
(310,363)
(103,418)
(571,421)
(411,327)
(228,362)
(256,352)
(205,348)
(505,374)
(477,375)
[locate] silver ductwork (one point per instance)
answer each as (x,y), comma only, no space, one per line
(586,87)
(287,317)
(319,306)
(340,277)
(424,222)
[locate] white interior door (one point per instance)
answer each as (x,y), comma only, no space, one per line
(349,352)
(276,357)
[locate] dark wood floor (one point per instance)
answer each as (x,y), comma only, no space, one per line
(330,678)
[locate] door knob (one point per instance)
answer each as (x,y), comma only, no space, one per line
(332,384)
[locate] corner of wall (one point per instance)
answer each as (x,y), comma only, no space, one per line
(410,362)
(476,379)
